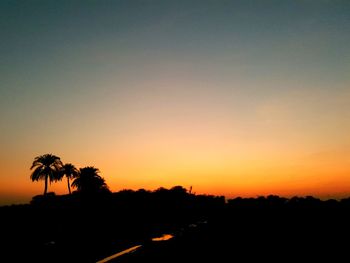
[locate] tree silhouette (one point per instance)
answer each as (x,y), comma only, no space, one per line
(46,166)
(89,181)
(70,171)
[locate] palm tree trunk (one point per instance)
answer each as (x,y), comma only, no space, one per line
(68,185)
(45,191)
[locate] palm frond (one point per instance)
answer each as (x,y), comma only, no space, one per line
(69,170)
(46,165)
(89,181)
(37,174)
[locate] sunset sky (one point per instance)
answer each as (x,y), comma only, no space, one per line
(234,98)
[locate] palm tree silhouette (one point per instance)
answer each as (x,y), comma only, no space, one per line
(89,181)
(69,171)
(46,166)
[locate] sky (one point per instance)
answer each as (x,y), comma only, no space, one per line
(234,98)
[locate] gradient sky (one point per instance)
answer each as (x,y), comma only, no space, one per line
(239,98)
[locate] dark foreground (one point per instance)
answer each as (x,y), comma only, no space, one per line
(260,231)
(205,229)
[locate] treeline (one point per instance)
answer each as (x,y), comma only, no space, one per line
(176,204)
(274,201)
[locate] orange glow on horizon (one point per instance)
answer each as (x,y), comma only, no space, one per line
(208,173)
(211,163)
